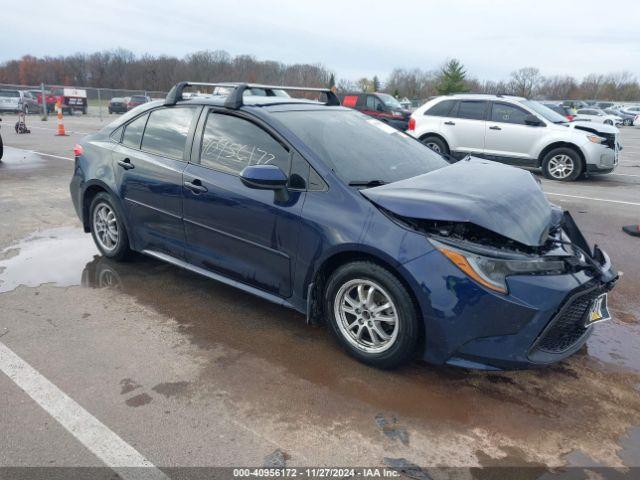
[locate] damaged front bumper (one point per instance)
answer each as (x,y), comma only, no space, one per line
(541,320)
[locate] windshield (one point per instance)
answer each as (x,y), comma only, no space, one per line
(9,93)
(545,112)
(359,148)
(389,101)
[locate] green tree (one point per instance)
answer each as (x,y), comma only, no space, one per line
(332,80)
(375,83)
(452,78)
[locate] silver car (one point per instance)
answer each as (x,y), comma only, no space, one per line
(18,101)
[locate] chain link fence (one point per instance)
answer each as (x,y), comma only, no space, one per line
(97,99)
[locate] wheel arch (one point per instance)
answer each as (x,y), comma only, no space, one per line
(330,263)
(89,192)
(560,144)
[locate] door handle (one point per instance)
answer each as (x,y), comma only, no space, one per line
(195,186)
(126,164)
(495,127)
(449,123)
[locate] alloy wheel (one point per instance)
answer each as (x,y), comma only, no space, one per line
(434,146)
(366,315)
(105,226)
(561,166)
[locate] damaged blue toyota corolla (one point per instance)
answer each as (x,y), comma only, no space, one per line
(349,221)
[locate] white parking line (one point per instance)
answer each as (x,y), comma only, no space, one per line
(93,434)
(593,198)
(625,174)
(41,153)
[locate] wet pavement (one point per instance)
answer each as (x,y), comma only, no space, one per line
(192,372)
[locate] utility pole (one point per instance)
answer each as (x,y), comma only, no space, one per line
(99,104)
(44,103)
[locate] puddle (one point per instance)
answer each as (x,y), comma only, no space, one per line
(56,256)
(532,406)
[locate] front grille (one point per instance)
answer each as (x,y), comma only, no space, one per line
(611,139)
(568,326)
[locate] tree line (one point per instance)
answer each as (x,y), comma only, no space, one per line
(123,69)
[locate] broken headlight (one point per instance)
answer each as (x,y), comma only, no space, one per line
(493,271)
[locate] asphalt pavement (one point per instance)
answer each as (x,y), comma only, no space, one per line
(143,364)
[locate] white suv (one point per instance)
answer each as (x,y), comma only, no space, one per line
(516,131)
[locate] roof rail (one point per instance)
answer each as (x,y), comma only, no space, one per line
(234,99)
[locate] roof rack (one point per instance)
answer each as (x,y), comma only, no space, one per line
(234,99)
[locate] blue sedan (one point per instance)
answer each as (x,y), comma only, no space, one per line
(324,210)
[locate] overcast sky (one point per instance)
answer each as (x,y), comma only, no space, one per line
(353,38)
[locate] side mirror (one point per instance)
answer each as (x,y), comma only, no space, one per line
(533,121)
(263,177)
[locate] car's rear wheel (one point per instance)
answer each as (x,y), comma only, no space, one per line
(371,314)
(436,144)
(107,228)
(563,164)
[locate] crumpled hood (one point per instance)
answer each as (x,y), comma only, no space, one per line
(506,200)
(596,127)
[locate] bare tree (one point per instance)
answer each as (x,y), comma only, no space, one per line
(525,81)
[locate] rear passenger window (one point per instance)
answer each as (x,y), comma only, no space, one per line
(229,144)
(441,109)
(166,132)
(471,110)
(504,113)
(133,132)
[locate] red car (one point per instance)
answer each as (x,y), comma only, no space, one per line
(135,100)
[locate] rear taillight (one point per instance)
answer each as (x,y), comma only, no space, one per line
(570,118)
(78,150)
(412,124)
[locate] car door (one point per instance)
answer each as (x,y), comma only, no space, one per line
(149,161)
(508,138)
(242,233)
(374,107)
(464,128)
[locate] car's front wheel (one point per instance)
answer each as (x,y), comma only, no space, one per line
(562,164)
(107,228)
(372,314)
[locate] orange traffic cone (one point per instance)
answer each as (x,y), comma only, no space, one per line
(61,132)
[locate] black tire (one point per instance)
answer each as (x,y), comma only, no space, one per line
(121,250)
(436,144)
(608,122)
(1,148)
(548,164)
(402,346)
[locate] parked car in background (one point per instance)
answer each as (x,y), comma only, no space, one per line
(71,99)
(633,109)
(326,211)
(516,131)
(382,106)
(566,112)
(597,116)
(17,101)
(575,104)
(134,100)
(29,102)
(118,104)
(628,119)
(604,105)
